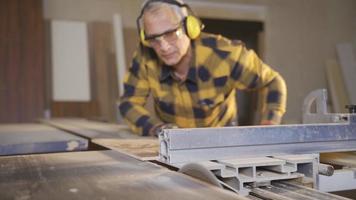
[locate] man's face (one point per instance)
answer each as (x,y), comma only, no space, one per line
(165,34)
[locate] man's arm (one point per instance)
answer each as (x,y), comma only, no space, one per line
(136,91)
(275,102)
(251,73)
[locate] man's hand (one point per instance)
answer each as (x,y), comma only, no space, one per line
(158,128)
(268,122)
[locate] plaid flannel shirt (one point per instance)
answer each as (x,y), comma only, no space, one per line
(207,97)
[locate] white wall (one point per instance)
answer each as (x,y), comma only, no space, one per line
(92,10)
(70,61)
(299,34)
(301,37)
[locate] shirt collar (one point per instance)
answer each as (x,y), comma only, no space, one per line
(167,72)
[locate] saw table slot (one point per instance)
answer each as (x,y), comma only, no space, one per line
(245,172)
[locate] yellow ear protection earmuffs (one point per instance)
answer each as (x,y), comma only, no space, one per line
(191,24)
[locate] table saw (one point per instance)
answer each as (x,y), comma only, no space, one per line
(81,159)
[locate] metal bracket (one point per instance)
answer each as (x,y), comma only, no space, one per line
(319,98)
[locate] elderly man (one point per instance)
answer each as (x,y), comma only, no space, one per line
(192,76)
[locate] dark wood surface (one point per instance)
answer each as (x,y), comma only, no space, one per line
(21,61)
(36,138)
(97,175)
(103,66)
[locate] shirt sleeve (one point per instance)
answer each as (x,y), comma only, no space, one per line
(250,73)
(136,91)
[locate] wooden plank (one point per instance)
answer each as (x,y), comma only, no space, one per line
(75,109)
(337,87)
(11,56)
(98,175)
(91,129)
(103,69)
(21,61)
(145,149)
(34,138)
(348,65)
(339,158)
(112,136)
(32,61)
(4,56)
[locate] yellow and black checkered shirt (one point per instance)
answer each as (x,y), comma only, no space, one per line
(207,97)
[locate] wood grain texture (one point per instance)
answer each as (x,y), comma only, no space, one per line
(98,175)
(339,158)
(21,61)
(48,68)
(111,136)
(131,44)
(75,109)
(103,69)
(143,148)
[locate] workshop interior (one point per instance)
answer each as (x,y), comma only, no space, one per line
(62,67)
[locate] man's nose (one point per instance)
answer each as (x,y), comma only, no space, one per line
(163,44)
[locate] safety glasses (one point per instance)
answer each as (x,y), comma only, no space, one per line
(170,36)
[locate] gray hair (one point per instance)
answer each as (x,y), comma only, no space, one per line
(181,12)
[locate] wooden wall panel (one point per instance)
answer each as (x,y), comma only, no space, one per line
(3,60)
(21,60)
(104,76)
(87,110)
(103,79)
(131,43)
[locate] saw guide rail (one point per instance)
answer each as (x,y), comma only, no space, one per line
(201,144)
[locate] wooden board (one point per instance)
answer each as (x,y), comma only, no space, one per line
(36,138)
(339,158)
(22,71)
(111,136)
(144,148)
(91,129)
(85,109)
(348,67)
(337,89)
(98,175)
(103,68)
